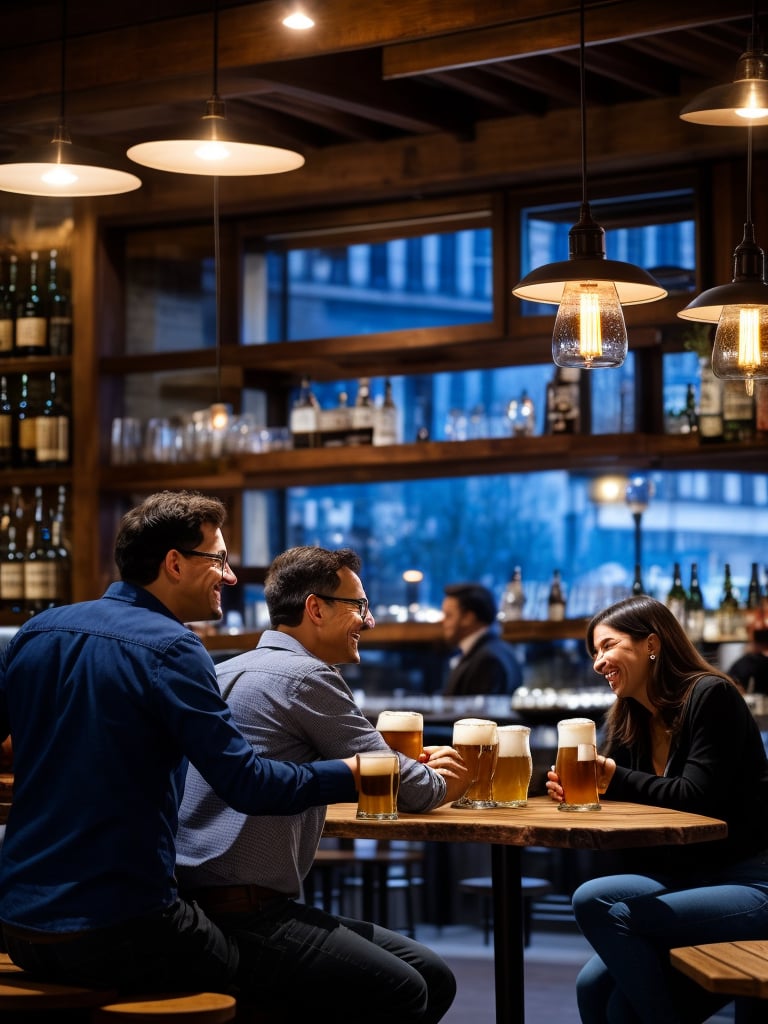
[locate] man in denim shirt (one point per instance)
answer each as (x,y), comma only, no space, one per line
(107,702)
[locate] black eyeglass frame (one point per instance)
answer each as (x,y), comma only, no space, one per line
(361,602)
(221,557)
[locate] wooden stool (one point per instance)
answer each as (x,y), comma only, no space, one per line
(194,1008)
(483,887)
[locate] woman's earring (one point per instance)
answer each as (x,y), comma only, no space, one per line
(652,657)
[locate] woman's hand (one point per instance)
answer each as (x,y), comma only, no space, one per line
(554,789)
(606,766)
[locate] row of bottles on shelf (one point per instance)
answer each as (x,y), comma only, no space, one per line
(725,412)
(35,305)
(34,551)
(367,421)
(34,421)
(731,615)
(513,600)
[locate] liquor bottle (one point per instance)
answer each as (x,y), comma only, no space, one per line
(39,562)
(362,413)
(513,598)
(61,548)
(694,608)
(556,599)
(753,593)
(728,618)
(691,413)
(31,319)
(386,427)
(25,451)
(335,423)
(6,426)
(7,306)
(738,412)
(637,581)
(11,562)
(59,312)
(677,597)
(563,401)
(710,406)
(304,420)
(52,430)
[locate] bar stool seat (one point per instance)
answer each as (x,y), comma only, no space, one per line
(483,887)
(189,1008)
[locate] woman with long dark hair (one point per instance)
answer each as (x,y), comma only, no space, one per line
(679,735)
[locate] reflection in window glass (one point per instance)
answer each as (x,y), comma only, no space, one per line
(481,527)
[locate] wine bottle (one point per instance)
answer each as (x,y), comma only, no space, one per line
(31,320)
(39,562)
(728,612)
(691,413)
(59,311)
(304,422)
(52,430)
(6,426)
(694,608)
(7,305)
(676,598)
(556,599)
(362,413)
(11,562)
(710,406)
(26,428)
(61,548)
(386,428)
(753,593)
(513,598)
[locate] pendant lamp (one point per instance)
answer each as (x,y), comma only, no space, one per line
(742,101)
(589,328)
(213,145)
(740,309)
(59,168)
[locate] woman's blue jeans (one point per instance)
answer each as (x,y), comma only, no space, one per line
(632,921)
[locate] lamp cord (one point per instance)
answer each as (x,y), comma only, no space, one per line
(583,105)
(62,90)
(217,280)
(749,173)
(216,48)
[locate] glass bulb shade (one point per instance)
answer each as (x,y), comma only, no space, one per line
(632,284)
(740,351)
(589,329)
(60,168)
(214,147)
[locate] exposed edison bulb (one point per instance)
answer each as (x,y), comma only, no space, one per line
(752,106)
(219,416)
(589,329)
(740,351)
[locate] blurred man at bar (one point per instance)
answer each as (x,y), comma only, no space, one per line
(485,663)
(106,702)
(290,700)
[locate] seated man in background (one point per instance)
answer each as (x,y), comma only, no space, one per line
(750,671)
(290,700)
(487,664)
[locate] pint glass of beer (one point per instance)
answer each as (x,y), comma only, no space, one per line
(403,731)
(477,740)
(514,766)
(576,765)
(379,783)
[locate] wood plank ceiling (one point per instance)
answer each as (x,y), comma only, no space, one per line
(371,73)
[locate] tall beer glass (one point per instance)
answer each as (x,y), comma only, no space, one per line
(514,766)
(379,783)
(576,765)
(477,740)
(403,731)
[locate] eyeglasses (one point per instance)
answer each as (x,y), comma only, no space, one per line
(217,556)
(361,603)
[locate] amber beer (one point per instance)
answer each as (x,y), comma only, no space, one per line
(513,767)
(379,781)
(576,764)
(477,740)
(403,731)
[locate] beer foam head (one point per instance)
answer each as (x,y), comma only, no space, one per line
(475,731)
(573,731)
(400,721)
(513,740)
(377,762)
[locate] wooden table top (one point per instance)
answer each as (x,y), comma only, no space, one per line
(732,968)
(615,826)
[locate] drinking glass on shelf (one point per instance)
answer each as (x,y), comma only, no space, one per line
(477,740)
